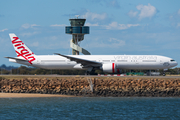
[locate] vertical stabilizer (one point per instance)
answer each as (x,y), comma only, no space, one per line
(21,49)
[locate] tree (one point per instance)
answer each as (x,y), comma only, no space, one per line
(3,66)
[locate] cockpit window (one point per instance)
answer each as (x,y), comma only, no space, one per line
(172,60)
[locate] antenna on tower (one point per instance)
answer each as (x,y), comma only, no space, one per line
(77,16)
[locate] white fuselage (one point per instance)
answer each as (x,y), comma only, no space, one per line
(147,62)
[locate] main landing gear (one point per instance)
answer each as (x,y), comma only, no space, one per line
(88,71)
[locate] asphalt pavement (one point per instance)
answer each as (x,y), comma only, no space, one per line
(174,76)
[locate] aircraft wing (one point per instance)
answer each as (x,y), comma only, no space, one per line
(84,62)
(17,59)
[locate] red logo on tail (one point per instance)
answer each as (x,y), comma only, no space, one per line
(23,51)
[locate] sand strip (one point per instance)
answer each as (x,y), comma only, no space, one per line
(25,95)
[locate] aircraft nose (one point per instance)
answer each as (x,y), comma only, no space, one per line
(174,64)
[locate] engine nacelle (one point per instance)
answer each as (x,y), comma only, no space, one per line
(110,68)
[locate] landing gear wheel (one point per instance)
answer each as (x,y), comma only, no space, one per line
(164,74)
(87,73)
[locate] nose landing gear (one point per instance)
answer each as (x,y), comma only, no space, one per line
(164,74)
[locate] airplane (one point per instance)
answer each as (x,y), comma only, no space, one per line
(108,63)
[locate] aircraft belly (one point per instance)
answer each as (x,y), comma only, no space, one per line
(55,66)
(139,66)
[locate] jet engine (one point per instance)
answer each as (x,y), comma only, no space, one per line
(110,68)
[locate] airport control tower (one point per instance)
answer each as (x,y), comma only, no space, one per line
(77,30)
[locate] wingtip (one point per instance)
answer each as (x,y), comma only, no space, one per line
(57,53)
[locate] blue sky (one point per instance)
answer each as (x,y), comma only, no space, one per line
(131,27)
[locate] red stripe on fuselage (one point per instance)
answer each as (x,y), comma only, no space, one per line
(113,67)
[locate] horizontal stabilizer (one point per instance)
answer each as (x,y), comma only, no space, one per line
(17,59)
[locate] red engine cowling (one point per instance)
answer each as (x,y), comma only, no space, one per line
(110,68)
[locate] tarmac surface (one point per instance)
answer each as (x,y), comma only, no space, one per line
(173,76)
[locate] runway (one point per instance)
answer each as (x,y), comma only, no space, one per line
(94,76)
